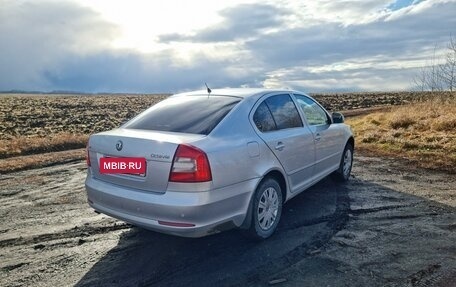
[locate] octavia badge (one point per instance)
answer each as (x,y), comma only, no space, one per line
(119,145)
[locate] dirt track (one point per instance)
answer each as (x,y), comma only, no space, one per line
(390,226)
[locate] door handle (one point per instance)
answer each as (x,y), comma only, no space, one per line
(317,137)
(280,146)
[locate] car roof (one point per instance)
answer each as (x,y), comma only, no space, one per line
(237,92)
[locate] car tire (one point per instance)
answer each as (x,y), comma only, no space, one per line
(266,209)
(346,163)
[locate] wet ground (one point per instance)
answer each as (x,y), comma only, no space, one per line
(391,225)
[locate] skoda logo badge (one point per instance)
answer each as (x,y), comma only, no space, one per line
(119,145)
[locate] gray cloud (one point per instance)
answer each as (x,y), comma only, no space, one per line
(35,37)
(62,46)
(322,44)
(242,21)
(108,71)
(410,37)
(362,79)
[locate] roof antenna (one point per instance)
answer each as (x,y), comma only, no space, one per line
(208,89)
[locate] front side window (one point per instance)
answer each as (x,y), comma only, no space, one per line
(275,113)
(187,114)
(314,114)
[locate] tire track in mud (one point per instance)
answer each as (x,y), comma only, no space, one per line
(228,258)
(84,231)
(335,223)
(179,273)
(324,234)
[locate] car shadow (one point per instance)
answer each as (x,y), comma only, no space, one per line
(145,257)
(310,220)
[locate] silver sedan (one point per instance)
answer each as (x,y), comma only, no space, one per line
(202,162)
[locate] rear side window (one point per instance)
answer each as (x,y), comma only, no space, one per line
(275,113)
(188,114)
(263,118)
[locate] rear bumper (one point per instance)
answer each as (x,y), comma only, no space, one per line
(209,211)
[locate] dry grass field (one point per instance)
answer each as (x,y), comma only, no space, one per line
(33,124)
(423,132)
(34,127)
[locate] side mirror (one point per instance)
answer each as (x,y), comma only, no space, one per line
(337,118)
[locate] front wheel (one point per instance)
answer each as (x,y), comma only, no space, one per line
(346,163)
(267,208)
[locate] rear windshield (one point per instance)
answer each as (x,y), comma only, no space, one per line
(187,114)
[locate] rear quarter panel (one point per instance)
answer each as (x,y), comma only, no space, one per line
(235,151)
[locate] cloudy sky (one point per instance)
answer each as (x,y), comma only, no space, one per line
(170,46)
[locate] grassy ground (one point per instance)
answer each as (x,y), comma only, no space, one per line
(40,160)
(37,129)
(27,145)
(42,130)
(423,132)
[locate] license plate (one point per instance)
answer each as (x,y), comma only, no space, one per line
(123,165)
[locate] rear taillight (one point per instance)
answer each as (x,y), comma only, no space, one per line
(190,164)
(87,155)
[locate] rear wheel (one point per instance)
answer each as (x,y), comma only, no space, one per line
(267,208)
(346,163)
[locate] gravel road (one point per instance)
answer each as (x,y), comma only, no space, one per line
(391,225)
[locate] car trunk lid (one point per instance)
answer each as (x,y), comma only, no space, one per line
(158,148)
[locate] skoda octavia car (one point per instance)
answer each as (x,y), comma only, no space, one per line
(202,162)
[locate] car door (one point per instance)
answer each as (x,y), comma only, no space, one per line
(279,124)
(327,137)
